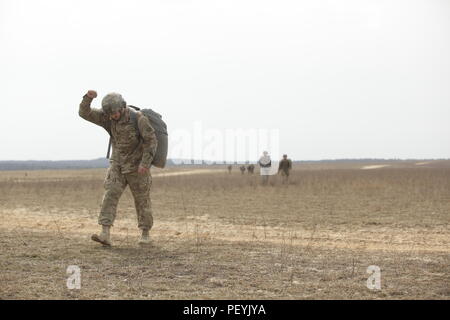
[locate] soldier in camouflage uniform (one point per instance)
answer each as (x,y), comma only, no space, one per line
(285,168)
(130,162)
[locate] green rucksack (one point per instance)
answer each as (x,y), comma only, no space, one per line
(160,127)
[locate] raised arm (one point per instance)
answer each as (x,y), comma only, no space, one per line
(96,116)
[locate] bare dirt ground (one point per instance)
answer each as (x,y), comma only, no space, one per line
(222,236)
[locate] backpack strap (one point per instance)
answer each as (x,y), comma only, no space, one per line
(134,117)
(133,107)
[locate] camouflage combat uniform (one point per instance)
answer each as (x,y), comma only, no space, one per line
(130,150)
(285,167)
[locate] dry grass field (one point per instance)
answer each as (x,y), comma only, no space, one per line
(224,236)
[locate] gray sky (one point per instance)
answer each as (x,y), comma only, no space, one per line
(338,79)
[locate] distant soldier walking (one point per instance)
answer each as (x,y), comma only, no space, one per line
(265,164)
(130,163)
(242,168)
(229,168)
(284,168)
(250,168)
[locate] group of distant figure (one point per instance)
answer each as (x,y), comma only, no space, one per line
(250,168)
(265,164)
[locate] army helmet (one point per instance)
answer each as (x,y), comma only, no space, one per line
(112,103)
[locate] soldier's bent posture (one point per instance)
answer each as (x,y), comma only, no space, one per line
(132,155)
(284,168)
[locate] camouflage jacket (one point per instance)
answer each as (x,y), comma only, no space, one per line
(130,148)
(285,165)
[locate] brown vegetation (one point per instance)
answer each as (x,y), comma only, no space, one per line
(225,236)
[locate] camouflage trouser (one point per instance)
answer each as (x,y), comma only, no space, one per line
(115,184)
(285,176)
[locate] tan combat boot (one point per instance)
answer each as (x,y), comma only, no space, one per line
(103,238)
(145,237)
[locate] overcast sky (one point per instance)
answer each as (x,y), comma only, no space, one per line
(338,79)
